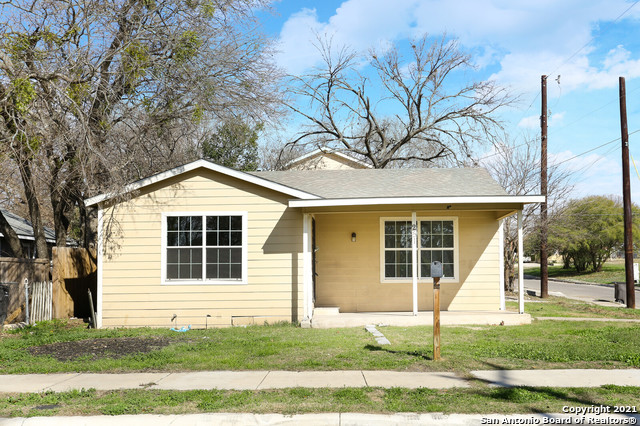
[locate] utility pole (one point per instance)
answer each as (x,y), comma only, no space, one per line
(544,255)
(626,199)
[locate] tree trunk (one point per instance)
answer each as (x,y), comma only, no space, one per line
(42,251)
(11,237)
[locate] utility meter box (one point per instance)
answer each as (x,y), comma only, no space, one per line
(436,269)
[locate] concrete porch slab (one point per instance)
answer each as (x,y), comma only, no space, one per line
(406,319)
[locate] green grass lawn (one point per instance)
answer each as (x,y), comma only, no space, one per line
(479,399)
(558,344)
(611,272)
(563,307)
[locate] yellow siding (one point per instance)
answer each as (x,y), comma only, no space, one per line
(132,292)
(349,272)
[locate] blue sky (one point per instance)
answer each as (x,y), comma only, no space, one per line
(589,43)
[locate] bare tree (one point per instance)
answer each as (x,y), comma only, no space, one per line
(516,167)
(94,93)
(431,123)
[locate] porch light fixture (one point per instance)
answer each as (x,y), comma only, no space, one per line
(353,237)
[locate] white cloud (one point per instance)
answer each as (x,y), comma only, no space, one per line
(526,38)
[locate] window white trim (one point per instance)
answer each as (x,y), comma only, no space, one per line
(204,280)
(456,250)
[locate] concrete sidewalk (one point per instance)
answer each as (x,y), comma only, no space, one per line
(259,380)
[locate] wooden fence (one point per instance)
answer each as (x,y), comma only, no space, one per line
(13,272)
(74,272)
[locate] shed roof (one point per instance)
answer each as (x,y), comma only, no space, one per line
(380,183)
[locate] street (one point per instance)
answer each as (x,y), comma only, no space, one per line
(585,292)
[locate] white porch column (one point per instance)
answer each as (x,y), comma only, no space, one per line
(307,267)
(501,244)
(520,266)
(414,260)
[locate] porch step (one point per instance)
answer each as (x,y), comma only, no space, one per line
(325,311)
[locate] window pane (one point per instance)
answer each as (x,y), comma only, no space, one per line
(236,238)
(184,223)
(425,241)
(425,228)
(223,238)
(225,255)
(224,271)
(172,223)
(183,238)
(196,271)
(236,271)
(436,255)
(236,223)
(236,255)
(389,271)
(389,228)
(447,227)
(172,239)
(389,241)
(196,238)
(223,223)
(196,223)
(212,223)
(401,256)
(447,269)
(196,256)
(436,227)
(212,271)
(426,257)
(425,270)
(212,238)
(389,256)
(447,256)
(172,272)
(437,241)
(172,255)
(447,241)
(184,272)
(401,270)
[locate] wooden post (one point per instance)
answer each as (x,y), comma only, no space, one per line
(436,319)
(626,199)
(544,224)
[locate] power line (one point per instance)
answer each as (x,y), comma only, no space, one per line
(574,54)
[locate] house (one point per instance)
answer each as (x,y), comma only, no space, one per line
(202,243)
(326,159)
(24,230)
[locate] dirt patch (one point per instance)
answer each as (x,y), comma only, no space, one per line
(100,348)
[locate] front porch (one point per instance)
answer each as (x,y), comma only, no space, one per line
(331,318)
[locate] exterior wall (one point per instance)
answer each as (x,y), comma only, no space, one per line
(132,292)
(326,161)
(349,272)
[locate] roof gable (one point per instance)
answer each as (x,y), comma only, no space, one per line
(246,177)
(306,161)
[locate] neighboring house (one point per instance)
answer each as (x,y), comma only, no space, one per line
(23,228)
(204,240)
(326,159)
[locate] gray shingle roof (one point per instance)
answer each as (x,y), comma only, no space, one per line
(380,183)
(23,227)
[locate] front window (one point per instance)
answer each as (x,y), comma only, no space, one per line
(436,240)
(208,248)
